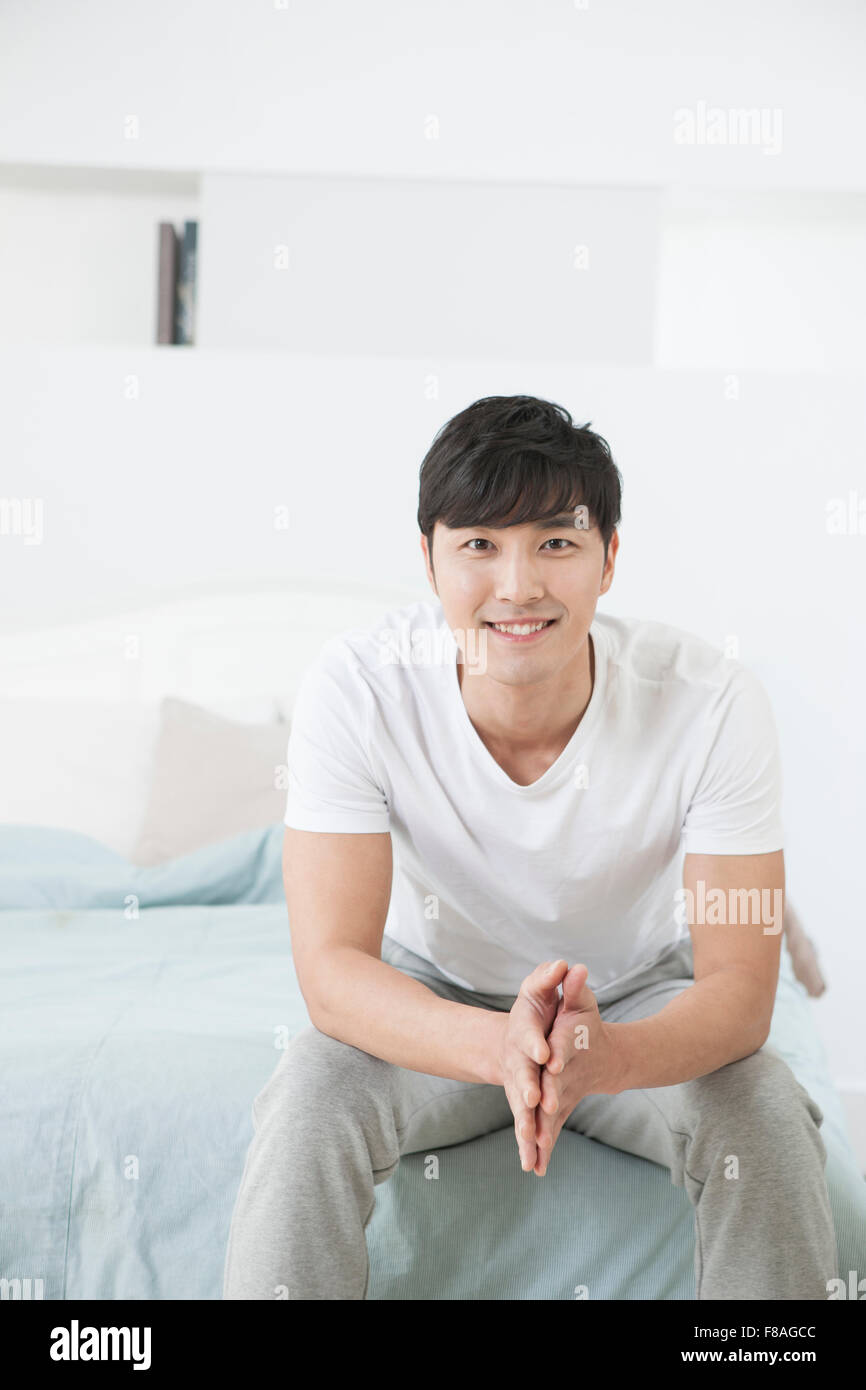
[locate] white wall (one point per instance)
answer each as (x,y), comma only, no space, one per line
(726,279)
(553,91)
(773,280)
(79,252)
(162,469)
(724,530)
(391,267)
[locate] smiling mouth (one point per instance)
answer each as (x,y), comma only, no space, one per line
(521,632)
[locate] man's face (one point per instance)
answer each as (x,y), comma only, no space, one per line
(550,570)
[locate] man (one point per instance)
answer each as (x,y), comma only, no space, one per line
(581,807)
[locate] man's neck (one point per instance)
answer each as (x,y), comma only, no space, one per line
(528,718)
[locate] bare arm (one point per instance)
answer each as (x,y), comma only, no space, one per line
(338,887)
(725,1015)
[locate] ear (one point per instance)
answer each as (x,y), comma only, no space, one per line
(607,572)
(425,551)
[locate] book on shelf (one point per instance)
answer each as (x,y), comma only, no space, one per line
(176,283)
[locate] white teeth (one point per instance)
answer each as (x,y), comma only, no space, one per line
(519,629)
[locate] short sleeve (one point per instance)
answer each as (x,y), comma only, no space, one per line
(736,804)
(331,785)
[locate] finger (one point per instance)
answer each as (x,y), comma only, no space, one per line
(524,1130)
(527,1034)
(527,1147)
(577,997)
(546,977)
(576,994)
(547,1129)
(524,1127)
(549,1102)
(559,1043)
(529,1038)
(556,1061)
(538,991)
(524,1075)
(527,1081)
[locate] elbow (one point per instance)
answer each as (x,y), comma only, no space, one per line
(750,1037)
(760,1012)
(762,1036)
(316,1010)
(330,989)
(321,1019)
(312,997)
(318,996)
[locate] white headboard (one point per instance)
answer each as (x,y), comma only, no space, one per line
(217,644)
(79,703)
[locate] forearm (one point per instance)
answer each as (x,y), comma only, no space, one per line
(717,1020)
(375,1007)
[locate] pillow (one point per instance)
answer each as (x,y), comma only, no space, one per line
(59,869)
(29,847)
(78,764)
(85,764)
(212,778)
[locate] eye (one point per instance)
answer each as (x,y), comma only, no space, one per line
(482,540)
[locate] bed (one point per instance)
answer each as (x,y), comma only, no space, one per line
(146,999)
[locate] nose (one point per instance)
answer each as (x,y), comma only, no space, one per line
(517,579)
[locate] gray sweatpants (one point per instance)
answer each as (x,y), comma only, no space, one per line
(332,1122)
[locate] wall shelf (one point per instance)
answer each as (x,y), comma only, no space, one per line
(80,250)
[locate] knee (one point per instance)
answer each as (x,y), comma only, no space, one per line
(759,1095)
(320,1075)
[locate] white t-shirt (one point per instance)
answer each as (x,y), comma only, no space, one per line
(676,752)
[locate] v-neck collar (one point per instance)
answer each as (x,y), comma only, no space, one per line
(563,763)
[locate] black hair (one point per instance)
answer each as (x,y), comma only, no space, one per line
(506,460)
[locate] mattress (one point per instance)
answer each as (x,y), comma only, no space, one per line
(134,1039)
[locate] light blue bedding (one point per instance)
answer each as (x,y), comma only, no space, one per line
(43,867)
(131,1050)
